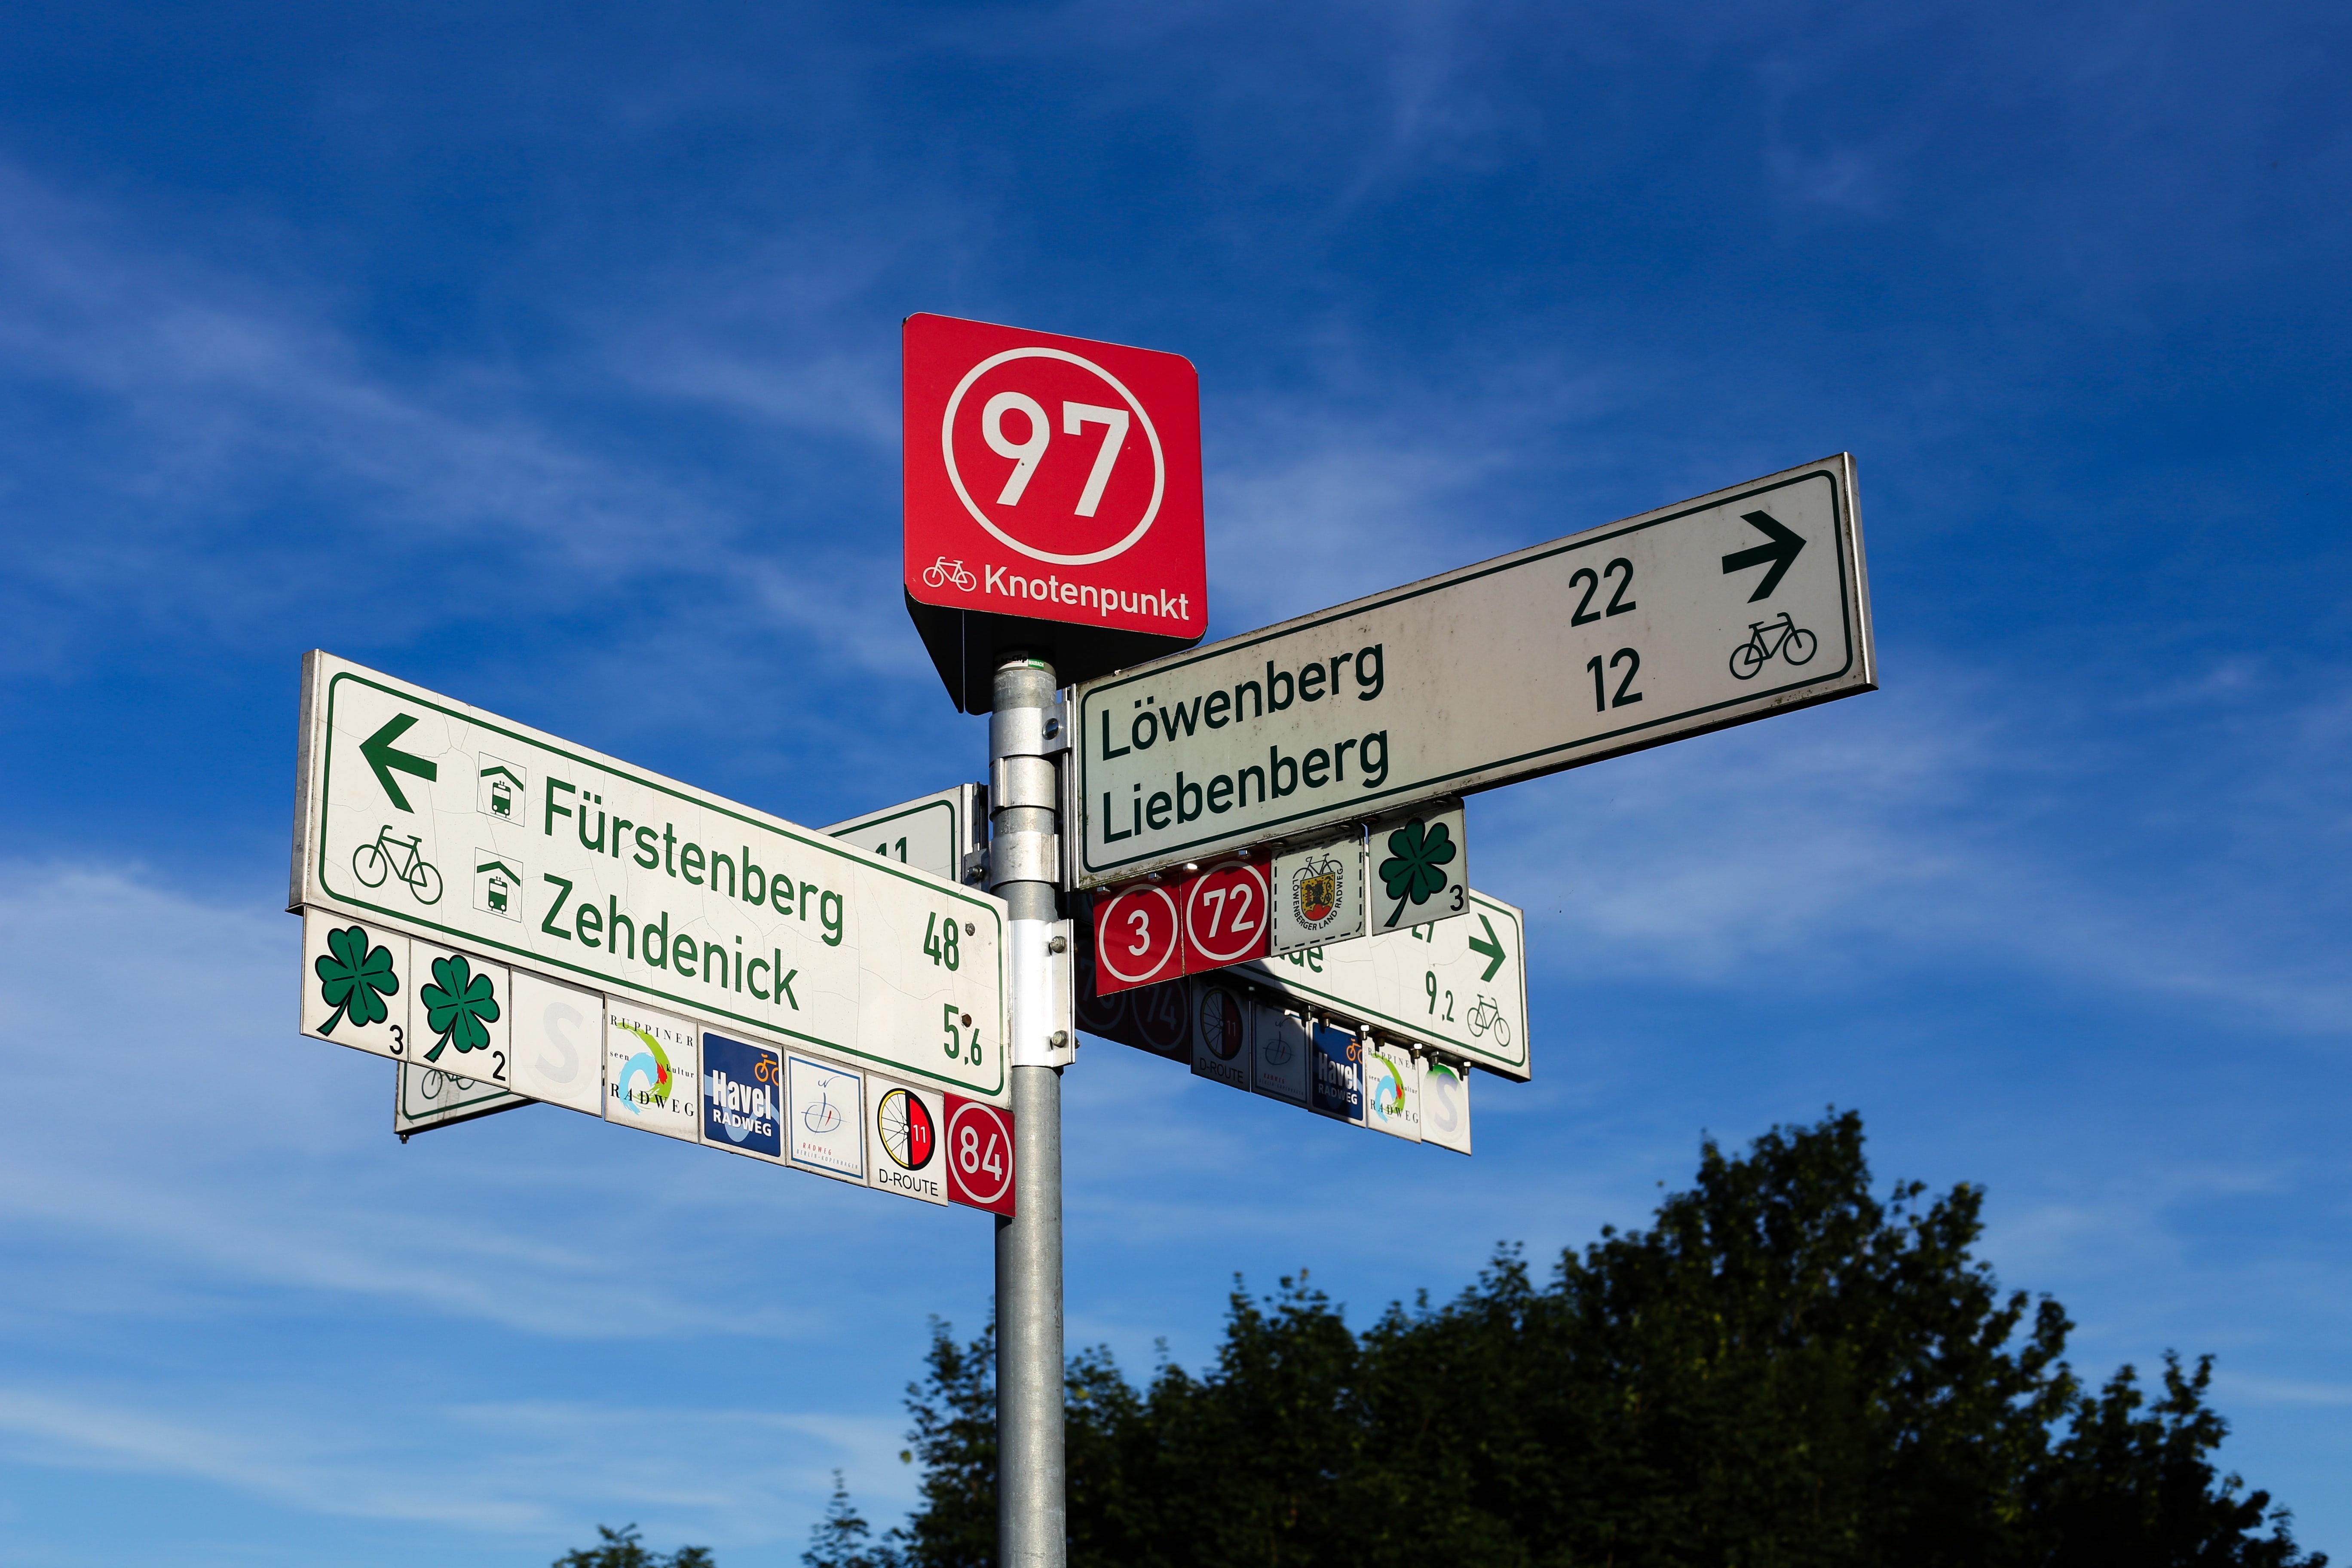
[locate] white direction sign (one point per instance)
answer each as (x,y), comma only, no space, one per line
(1459,985)
(424,1098)
(936,833)
(502,848)
(1740,605)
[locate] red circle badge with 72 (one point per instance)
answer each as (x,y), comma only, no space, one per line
(1054,477)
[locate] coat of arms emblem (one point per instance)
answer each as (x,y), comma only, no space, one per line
(1315,892)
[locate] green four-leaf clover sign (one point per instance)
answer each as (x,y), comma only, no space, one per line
(458,1006)
(354,979)
(1416,851)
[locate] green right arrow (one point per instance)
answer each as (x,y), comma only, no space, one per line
(377,750)
(1492,947)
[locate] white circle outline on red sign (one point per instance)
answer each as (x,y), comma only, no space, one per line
(1175,941)
(973,1107)
(1256,878)
(947,451)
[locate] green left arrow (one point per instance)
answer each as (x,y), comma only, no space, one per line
(1492,947)
(377,750)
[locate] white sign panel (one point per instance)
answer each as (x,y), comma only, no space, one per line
(906,1150)
(460,1014)
(1419,864)
(355,984)
(1220,1032)
(824,1119)
(558,1039)
(933,834)
(424,1097)
(1444,1106)
(1459,985)
(1316,894)
(484,839)
(652,1070)
(1281,1049)
(1731,608)
(1392,1091)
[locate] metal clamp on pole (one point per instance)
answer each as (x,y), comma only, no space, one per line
(1044,1023)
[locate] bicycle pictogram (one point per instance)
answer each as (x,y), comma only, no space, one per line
(908,1133)
(944,571)
(1487,1014)
(820,1115)
(387,855)
(1764,639)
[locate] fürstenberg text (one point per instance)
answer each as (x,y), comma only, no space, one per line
(1357,761)
(624,933)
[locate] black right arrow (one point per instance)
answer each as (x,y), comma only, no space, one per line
(1781,552)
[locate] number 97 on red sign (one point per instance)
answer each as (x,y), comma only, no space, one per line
(1189,925)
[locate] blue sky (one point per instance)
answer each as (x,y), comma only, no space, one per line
(548,357)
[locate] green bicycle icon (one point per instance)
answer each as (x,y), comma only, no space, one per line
(401,857)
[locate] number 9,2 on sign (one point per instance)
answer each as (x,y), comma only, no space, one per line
(980,1155)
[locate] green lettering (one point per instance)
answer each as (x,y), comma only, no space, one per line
(548,924)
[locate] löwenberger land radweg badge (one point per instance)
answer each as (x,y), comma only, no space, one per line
(1318,895)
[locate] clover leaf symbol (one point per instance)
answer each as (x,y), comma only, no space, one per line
(1417,851)
(354,980)
(458,1006)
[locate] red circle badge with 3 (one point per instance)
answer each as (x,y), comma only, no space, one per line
(1138,939)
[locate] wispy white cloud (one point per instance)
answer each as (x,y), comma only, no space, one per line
(214,400)
(1912,825)
(504,1467)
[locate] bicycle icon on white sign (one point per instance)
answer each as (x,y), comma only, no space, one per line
(1487,1014)
(402,858)
(941,571)
(1764,639)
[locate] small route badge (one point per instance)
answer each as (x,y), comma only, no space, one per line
(1318,895)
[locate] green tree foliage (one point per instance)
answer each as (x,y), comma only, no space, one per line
(621,1549)
(842,1539)
(1783,1370)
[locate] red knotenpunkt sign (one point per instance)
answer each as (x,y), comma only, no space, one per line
(1053,500)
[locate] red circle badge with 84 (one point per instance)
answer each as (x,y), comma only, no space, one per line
(1052,478)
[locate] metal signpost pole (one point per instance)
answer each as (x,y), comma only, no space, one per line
(1024,871)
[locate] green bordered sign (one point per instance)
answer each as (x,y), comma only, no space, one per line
(424,1098)
(451,824)
(1459,985)
(936,833)
(1731,608)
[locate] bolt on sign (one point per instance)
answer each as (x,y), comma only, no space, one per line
(637,892)
(1053,501)
(1735,606)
